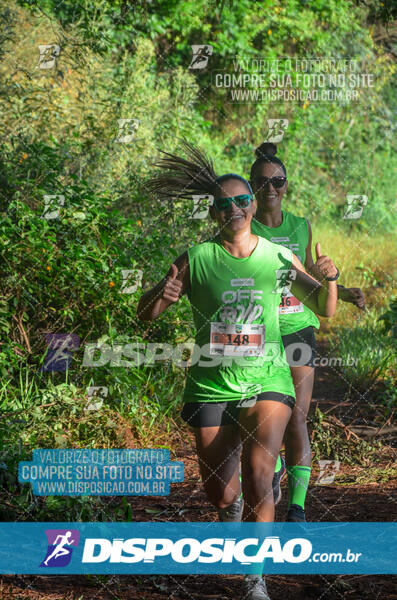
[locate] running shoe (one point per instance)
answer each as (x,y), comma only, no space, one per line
(276,484)
(296,514)
(254,587)
(233,512)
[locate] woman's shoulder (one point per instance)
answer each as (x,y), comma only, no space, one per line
(203,246)
(274,248)
(290,219)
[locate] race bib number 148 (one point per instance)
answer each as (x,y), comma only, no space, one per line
(237,339)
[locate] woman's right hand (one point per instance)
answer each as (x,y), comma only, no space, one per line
(166,292)
(353,295)
(172,288)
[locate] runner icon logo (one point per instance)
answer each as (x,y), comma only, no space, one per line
(127,130)
(284,279)
(277,129)
(59,353)
(201,54)
(48,55)
(58,554)
(355,206)
(201,205)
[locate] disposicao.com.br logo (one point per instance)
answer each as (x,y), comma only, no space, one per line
(245,551)
(60,547)
(189,550)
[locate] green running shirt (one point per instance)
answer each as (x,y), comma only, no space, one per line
(293,233)
(235,311)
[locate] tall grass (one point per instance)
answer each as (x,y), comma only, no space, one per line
(368,262)
(365,261)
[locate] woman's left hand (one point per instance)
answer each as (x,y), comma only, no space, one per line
(355,296)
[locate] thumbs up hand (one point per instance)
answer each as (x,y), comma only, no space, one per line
(324,264)
(172,286)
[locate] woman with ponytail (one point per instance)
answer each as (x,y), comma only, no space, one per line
(239,393)
(297,319)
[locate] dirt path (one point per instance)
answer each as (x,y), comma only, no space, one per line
(372,501)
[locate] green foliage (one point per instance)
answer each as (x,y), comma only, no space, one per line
(372,351)
(389,319)
(328,442)
(365,476)
(135,56)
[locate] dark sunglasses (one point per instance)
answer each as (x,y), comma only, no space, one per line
(277,182)
(242,201)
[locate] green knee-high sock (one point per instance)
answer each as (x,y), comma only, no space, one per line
(278,464)
(298,482)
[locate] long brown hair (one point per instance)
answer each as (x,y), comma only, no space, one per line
(182,177)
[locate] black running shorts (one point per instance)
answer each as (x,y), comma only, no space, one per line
(214,414)
(300,347)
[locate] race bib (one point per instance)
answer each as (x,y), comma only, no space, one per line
(289,304)
(237,339)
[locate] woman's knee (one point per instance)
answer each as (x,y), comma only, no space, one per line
(225,501)
(221,485)
(259,476)
(297,423)
(221,496)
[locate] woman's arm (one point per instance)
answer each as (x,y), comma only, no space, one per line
(353,295)
(168,291)
(320,298)
(297,263)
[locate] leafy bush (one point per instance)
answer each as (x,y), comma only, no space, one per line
(372,353)
(389,319)
(329,443)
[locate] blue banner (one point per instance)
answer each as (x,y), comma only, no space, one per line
(192,548)
(129,472)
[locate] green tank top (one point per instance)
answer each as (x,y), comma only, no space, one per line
(293,233)
(238,351)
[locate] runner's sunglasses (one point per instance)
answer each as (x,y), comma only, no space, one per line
(277,182)
(242,201)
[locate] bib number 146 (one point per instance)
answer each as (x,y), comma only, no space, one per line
(289,304)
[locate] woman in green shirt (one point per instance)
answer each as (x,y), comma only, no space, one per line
(239,393)
(297,321)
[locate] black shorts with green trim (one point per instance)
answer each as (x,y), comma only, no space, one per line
(214,414)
